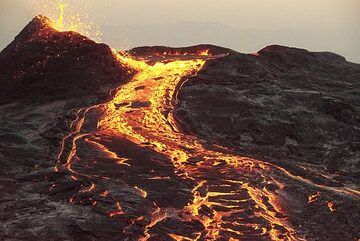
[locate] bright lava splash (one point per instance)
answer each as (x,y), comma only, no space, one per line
(59,24)
(69,17)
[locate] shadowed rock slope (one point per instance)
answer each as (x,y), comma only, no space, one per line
(283,105)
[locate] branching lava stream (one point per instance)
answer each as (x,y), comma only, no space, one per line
(137,175)
(231,194)
(233,197)
(238,203)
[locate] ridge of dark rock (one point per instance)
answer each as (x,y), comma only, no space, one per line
(286,57)
(279,102)
(150,50)
(297,109)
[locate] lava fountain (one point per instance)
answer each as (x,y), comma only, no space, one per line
(69,17)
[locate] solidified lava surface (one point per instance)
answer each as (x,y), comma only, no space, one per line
(198,143)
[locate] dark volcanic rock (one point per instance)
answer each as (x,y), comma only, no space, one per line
(296,109)
(162,50)
(284,104)
(42,64)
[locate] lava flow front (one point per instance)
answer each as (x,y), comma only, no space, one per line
(233,197)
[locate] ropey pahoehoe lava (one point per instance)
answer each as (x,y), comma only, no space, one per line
(161,143)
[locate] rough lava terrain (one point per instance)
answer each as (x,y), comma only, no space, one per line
(295,108)
(261,146)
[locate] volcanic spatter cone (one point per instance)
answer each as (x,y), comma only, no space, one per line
(44,64)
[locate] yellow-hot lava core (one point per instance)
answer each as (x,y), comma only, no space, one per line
(59,24)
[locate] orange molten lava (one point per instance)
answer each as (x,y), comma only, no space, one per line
(331,206)
(313,197)
(240,191)
(154,123)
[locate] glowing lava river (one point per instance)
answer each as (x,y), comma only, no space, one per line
(137,145)
(162,157)
(231,194)
(199,143)
(217,204)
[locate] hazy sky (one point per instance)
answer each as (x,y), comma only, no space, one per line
(243,25)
